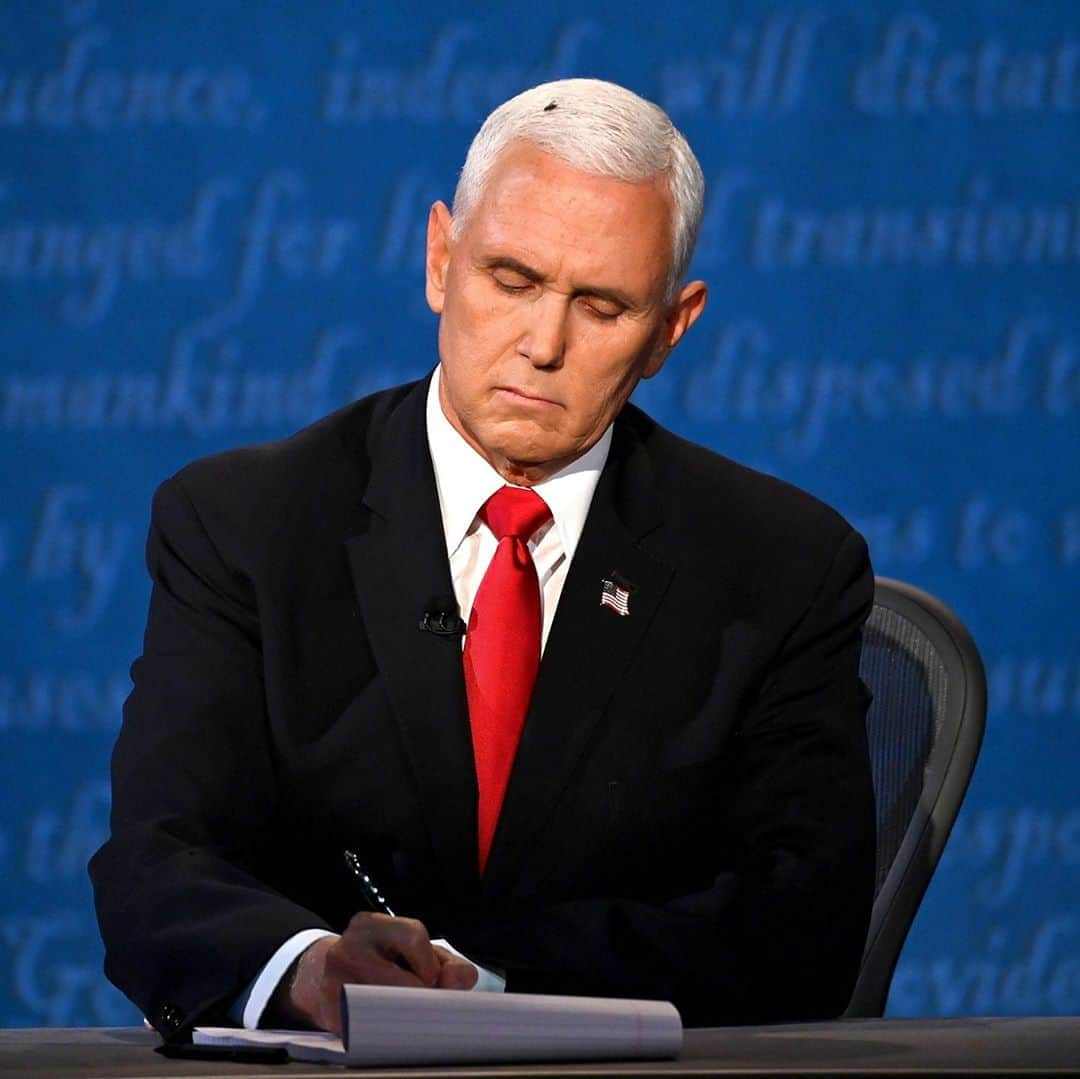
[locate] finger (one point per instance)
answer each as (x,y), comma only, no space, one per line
(366,966)
(455,973)
(403,941)
(406,942)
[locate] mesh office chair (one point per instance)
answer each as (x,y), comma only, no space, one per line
(925,727)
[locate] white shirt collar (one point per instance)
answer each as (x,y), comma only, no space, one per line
(465,481)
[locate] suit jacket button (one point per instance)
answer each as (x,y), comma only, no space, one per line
(169,1018)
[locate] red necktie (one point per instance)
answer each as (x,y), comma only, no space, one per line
(502,649)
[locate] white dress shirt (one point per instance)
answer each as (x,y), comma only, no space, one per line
(465,481)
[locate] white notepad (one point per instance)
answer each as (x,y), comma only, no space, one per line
(390,1026)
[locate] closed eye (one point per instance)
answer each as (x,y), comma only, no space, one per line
(511,281)
(603,309)
(507,287)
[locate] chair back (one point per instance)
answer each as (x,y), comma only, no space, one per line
(925,726)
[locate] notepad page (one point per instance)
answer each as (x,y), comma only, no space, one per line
(300,1044)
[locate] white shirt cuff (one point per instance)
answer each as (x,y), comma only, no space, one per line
(247,1009)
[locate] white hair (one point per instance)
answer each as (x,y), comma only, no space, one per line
(599,128)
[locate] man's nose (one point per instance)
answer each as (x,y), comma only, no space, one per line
(544,339)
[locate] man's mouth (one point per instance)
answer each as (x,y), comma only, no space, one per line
(525,396)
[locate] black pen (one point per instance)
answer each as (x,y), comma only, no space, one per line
(372,894)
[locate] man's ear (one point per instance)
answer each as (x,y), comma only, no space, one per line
(440,224)
(683,313)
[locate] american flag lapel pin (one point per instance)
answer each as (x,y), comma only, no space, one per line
(615,593)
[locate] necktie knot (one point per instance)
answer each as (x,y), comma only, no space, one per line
(514,511)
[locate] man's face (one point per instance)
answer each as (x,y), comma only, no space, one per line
(552,308)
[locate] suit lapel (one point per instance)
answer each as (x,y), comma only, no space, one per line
(399,565)
(589,647)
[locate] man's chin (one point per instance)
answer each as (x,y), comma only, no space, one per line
(531,464)
(527,449)
(525,444)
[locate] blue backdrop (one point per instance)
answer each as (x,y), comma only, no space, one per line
(211,222)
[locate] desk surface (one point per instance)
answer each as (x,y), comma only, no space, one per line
(871,1047)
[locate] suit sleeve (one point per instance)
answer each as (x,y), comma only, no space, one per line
(779,934)
(183,911)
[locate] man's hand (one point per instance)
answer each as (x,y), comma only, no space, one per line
(375,949)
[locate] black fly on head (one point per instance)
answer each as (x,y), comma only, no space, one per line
(548,108)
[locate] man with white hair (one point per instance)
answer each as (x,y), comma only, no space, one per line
(580,696)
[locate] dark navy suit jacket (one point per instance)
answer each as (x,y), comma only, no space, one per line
(690,813)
